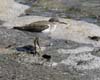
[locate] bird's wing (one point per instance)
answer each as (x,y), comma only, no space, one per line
(37,26)
(34,27)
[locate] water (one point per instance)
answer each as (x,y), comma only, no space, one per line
(86,10)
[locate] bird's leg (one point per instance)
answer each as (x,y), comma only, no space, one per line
(35,49)
(37,45)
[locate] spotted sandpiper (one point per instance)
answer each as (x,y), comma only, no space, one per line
(44,26)
(41,26)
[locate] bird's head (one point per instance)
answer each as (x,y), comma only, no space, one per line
(53,19)
(56,20)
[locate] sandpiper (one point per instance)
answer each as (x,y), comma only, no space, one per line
(46,27)
(41,26)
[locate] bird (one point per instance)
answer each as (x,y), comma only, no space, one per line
(41,26)
(46,27)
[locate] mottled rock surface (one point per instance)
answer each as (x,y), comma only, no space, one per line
(69,59)
(73,55)
(10,9)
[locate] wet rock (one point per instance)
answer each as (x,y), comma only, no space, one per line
(27,48)
(67,60)
(95,38)
(1,22)
(96,52)
(47,57)
(10,37)
(9,9)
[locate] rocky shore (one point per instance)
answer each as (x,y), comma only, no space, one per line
(74,53)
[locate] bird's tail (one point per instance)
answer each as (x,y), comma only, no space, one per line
(62,22)
(18,28)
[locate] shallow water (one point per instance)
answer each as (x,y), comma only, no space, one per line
(87,10)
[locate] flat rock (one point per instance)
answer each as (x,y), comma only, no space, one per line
(14,37)
(72,52)
(9,9)
(77,31)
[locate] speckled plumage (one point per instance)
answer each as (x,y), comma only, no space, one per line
(40,26)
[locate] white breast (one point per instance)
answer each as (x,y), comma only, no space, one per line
(46,30)
(51,28)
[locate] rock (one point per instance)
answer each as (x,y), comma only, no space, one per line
(95,38)
(22,21)
(70,55)
(47,57)
(77,50)
(9,9)
(1,22)
(79,30)
(27,48)
(18,38)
